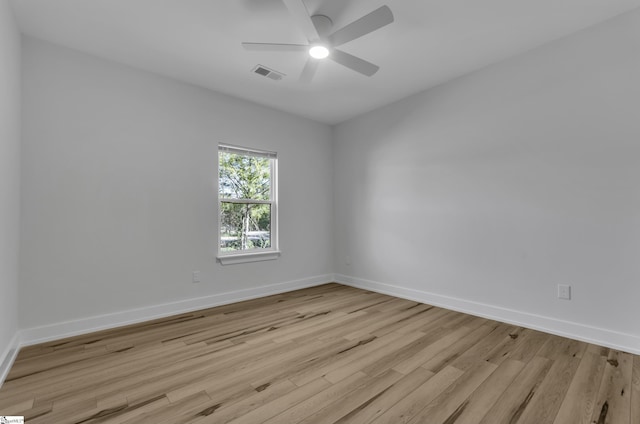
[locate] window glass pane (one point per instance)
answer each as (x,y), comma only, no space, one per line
(244,176)
(245,226)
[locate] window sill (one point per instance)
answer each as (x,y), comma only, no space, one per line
(241,258)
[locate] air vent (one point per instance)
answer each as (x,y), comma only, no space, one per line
(269,73)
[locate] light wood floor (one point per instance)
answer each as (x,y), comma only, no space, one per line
(329,354)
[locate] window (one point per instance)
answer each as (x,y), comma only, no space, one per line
(247,205)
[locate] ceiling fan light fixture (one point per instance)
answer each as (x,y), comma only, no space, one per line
(318,51)
(323,40)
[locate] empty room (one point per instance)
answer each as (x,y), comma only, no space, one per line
(320,211)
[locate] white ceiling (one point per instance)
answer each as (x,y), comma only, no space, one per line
(198,41)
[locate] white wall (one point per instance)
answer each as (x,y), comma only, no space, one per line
(119,195)
(488,191)
(9,180)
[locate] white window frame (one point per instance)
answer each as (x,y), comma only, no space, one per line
(253,255)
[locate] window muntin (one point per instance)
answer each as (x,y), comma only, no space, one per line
(247,201)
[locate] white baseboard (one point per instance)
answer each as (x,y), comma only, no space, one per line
(61,330)
(599,336)
(9,356)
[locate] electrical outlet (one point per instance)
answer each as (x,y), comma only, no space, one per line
(347,260)
(195,277)
(564,291)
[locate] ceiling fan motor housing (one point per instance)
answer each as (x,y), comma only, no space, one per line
(323,25)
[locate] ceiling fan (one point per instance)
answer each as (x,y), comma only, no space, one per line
(322,42)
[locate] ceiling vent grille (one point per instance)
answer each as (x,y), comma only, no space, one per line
(269,73)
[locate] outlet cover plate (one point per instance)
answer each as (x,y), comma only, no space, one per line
(564,291)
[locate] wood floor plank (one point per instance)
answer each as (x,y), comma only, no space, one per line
(222,413)
(114,377)
(283,403)
(382,402)
(320,400)
(404,319)
(430,351)
(579,403)
(395,357)
(453,400)
(479,352)
(452,352)
(346,370)
(532,341)
(414,402)
(248,371)
(327,354)
(18,407)
(185,410)
(385,318)
(635,391)
(133,412)
(314,359)
(478,404)
(360,350)
(613,402)
(545,403)
(357,398)
(512,403)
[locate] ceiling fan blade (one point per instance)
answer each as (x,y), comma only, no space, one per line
(354,63)
(302,18)
(275,47)
(309,70)
(368,23)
